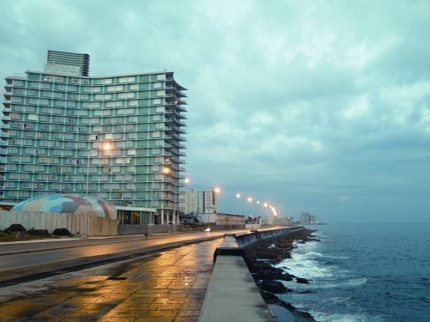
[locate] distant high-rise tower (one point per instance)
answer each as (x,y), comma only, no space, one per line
(55,124)
(68,63)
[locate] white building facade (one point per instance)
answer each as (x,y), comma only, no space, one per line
(57,123)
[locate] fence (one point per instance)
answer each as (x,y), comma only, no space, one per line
(75,223)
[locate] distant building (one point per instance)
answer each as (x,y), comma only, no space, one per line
(283,221)
(308,219)
(190,204)
(200,202)
(57,122)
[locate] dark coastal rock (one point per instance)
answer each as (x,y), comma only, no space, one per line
(302,280)
(260,258)
(273,287)
(264,271)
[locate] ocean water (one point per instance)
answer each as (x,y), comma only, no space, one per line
(363,272)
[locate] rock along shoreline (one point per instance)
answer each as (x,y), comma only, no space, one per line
(260,258)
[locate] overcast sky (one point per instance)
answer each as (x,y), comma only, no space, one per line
(312,106)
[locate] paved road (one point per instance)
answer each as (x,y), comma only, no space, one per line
(165,286)
(23,260)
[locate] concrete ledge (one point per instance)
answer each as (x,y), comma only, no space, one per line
(232,294)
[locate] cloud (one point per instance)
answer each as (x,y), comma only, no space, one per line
(319,106)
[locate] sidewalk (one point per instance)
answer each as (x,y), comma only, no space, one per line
(169,286)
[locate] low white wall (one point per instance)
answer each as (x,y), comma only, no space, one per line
(75,223)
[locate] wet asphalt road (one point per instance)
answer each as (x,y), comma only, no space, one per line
(161,286)
(26,261)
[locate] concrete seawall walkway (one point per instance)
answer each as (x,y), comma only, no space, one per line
(169,286)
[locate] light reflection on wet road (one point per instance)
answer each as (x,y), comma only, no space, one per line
(16,256)
(169,286)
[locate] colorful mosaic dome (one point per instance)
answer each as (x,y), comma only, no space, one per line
(69,203)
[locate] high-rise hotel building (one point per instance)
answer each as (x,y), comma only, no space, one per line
(119,138)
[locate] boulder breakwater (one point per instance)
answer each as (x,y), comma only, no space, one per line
(263,250)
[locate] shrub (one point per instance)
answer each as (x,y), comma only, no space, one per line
(38,232)
(61,232)
(14,228)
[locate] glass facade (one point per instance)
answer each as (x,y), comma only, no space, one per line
(56,129)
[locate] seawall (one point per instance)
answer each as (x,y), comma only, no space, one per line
(232,294)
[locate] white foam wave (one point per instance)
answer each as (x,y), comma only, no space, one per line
(324,317)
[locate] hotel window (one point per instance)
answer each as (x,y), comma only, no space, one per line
(133,103)
(134,87)
(160,93)
(131,79)
(97,89)
(19,108)
(132,135)
(111,88)
(61,87)
(161,77)
(31,92)
(122,80)
(85,97)
(119,88)
(85,81)
(46,86)
(160,109)
(71,104)
(10,167)
(108,81)
(15,116)
(132,119)
(156,134)
(131,152)
(107,96)
(72,88)
(87,89)
(16,99)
